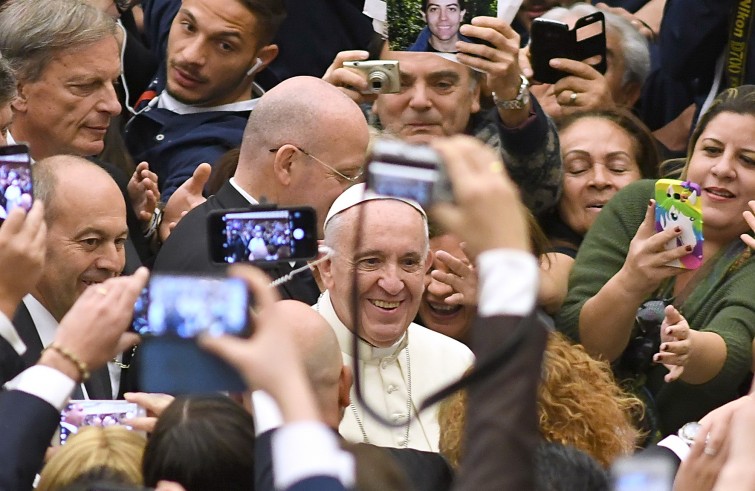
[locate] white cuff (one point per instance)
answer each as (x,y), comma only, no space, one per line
(267,414)
(508,282)
(676,445)
(9,333)
(307,449)
(46,383)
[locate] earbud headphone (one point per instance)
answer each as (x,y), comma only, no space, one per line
(258,63)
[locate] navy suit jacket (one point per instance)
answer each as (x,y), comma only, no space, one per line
(27,423)
(187,249)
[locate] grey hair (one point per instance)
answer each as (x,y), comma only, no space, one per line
(7,82)
(633,44)
(334,231)
(33,32)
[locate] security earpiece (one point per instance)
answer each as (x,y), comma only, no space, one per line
(258,63)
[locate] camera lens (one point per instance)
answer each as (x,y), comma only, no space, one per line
(376,79)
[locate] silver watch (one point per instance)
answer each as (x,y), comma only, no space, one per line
(520,101)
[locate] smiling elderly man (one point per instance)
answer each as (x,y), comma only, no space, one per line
(400,363)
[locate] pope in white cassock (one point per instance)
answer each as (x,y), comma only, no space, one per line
(401,363)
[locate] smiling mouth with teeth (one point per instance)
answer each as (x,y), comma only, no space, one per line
(385,305)
(443,309)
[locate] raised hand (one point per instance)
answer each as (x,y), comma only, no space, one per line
(676,343)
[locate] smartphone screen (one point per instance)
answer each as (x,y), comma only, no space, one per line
(187,306)
(15,179)
(285,234)
(678,204)
(643,473)
(80,413)
(403,181)
(178,309)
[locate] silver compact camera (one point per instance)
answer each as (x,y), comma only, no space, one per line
(382,75)
(409,171)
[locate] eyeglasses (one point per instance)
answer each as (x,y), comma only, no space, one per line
(352,179)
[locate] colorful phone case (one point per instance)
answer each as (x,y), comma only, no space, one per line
(678,204)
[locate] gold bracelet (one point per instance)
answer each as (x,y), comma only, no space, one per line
(77,362)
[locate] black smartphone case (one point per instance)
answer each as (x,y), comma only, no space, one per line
(551,39)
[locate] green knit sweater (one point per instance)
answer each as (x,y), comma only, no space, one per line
(728,309)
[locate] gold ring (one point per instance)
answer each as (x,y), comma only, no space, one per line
(573,98)
(496,167)
(101,290)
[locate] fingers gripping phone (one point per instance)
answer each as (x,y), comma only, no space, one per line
(551,39)
(678,204)
(15,179)
(178,309)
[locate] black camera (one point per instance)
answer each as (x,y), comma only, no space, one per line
(645,342)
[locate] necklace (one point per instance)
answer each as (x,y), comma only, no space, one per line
(408,405)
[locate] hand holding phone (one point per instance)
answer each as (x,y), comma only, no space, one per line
(678,204)
(551,39)
(179,309)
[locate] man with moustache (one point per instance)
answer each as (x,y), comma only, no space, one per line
(197,107)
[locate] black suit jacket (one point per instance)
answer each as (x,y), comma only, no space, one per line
(27,423)
(502,431)
(187,249)
(425,471)
(11,364)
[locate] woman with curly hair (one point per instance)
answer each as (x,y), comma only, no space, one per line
(579,404)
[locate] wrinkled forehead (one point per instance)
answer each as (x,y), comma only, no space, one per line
(427,65)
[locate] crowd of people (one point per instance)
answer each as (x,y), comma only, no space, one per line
(534,331)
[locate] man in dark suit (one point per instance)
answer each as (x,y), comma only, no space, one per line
(304,143)
(85,216)
(90,334)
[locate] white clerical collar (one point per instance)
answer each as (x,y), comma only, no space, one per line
(367,352)
(166,101)
(43,320)
(243,192)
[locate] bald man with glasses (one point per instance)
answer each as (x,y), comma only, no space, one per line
(304,143)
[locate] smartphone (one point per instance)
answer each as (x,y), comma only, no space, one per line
(80,413)
(282,234)
(553,39)
(16,188)
(678,204)
(409,171)
(178,309)
(641,472)
(382,75)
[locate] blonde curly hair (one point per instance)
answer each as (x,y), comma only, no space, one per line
(579,404)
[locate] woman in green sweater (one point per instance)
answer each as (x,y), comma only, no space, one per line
(705,351)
